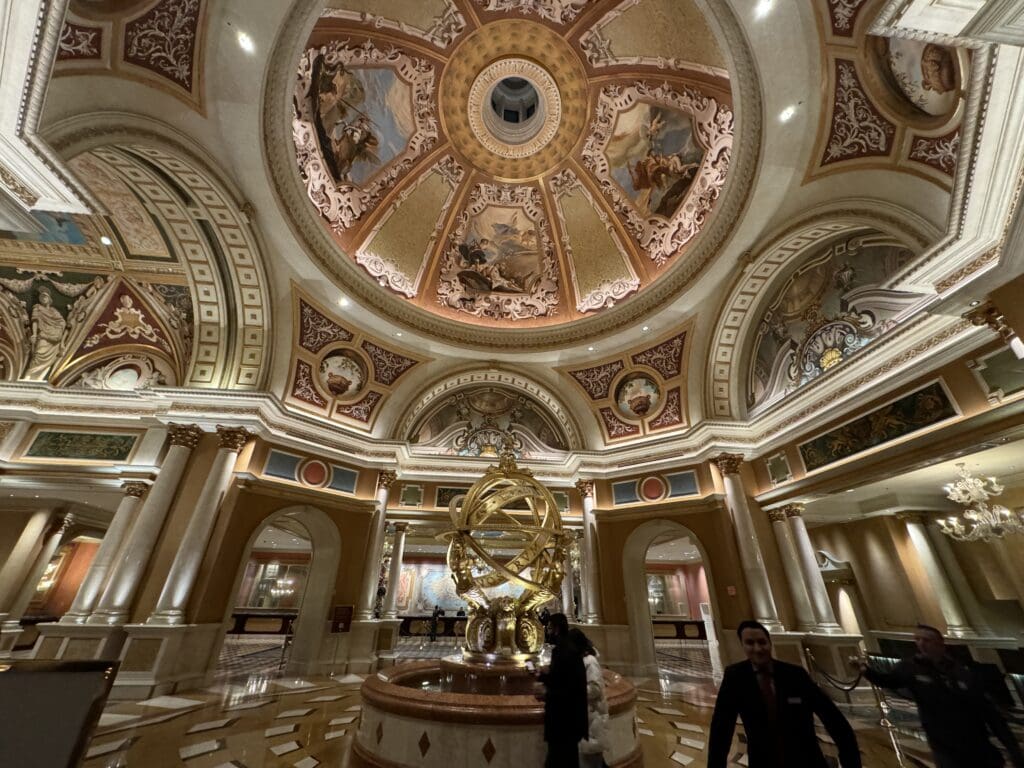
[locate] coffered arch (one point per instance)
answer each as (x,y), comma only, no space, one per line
(204,227)
(768,267)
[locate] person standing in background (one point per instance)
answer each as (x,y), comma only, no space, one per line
(565,697)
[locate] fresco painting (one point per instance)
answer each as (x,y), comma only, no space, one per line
(637,396)
(82,446)
(364,119)
(342,374)
(925,74)
(653,157)
(60,228)
(500,252)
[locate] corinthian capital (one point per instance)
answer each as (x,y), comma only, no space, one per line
(585,487)
(135,488)
(386,478)
(727,463)
(233,438)
(186,435)
(793,510)
(776,515)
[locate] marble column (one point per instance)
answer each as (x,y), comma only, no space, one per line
(590,588)
(957,624)
(96,577)
(16,568)
(567,601)
(371,569)
(170,607)
(824,615)
(395,572)
(805,620)
(751,560)
(133,558)
(964,590)
(52,539)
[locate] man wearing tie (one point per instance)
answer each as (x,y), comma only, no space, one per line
(777,703)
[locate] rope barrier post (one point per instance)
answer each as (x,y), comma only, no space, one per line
(884,721)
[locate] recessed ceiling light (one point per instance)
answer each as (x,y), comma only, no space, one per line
(590,349)
(762,9)
(646,328)
(850,490)
(106,240)
(787,113)
(245,42)
(975,303)
(343,301)
(398,334)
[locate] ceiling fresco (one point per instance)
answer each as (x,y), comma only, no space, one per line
(512,161)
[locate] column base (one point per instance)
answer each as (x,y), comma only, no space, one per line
(79,641)
(385,642)
(831,655)
(615,645)
(172,618)
(107,618)
(10,631)
(157,660)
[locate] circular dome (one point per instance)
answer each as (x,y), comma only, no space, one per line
(503,176)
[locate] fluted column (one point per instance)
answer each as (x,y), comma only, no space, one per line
(53,536)
(133,557)
(395,572)
(824,615)
(746,538)
(170,607)
(371,570)
(16,568)
(791,566)
(589,589)
(969,600)
(95,578)
(957,624)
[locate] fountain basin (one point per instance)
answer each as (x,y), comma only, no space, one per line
(409,720)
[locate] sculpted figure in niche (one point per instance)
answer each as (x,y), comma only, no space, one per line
(48,327)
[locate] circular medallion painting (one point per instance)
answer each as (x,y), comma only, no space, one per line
(925,74)
(637,396)
(342,373)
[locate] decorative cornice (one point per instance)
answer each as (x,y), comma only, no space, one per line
(233,438)
(185,435)
(135,488)
(727,463)
(386,478)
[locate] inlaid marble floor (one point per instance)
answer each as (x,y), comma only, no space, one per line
(269,722)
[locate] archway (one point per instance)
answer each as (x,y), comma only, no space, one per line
(639,608)
(283,589)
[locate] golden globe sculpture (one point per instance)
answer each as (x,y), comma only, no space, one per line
(501,626)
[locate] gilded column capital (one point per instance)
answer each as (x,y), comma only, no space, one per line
(776,515)
(233,438)
(989,314)
(386,478)
(401,527)
(585,487)
(920,518)
(727,463)
(186,435)
(793,510)
(135,488)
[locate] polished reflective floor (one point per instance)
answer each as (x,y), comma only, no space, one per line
(263,721)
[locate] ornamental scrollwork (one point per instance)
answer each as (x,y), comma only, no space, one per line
(858,130)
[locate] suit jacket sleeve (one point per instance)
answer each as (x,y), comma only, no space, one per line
(900,676)
(835,723)
(723,721)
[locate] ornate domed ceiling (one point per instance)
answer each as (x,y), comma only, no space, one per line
(517,165)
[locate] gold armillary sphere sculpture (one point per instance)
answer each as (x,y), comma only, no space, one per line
(503,626)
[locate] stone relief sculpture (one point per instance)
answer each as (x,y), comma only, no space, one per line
(48,326)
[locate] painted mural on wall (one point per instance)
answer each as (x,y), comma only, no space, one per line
(925,74)
(95,331)
(428,584)
(910,413)
(478,422)
(653,157)
(60,228)
(81,446)
(829,309)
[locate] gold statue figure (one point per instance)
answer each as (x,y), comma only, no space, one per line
(503,626)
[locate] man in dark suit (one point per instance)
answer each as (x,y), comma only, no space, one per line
(777,703)
(565,697)
(956,714)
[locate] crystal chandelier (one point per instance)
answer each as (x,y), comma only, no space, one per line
(979,520)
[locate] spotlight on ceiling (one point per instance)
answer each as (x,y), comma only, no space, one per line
(106,240)
(786,114)
(762,9)
(646,328)
(343,301)
(976,302)
(398,334)
(590,349)
(245,42)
